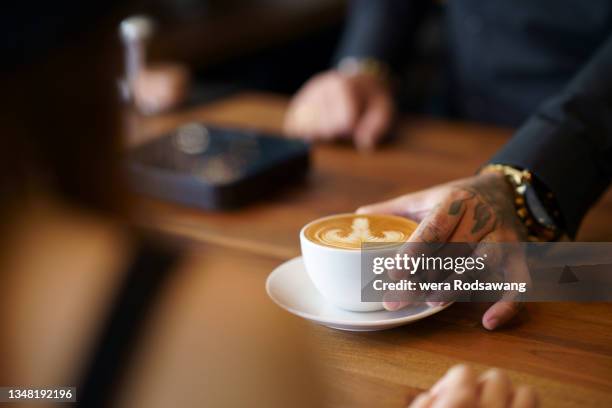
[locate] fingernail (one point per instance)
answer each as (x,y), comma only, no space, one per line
(392,306)
(492,323)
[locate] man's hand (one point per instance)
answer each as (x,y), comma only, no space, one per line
(161,87)
(462,388)
(475,209)
(333,105)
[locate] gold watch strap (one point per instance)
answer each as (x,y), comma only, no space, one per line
(520,180)
(368,66)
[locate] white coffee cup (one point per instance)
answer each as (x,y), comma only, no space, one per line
(336,272)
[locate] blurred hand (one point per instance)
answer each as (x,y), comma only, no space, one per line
(461,388)
(161,87)
(474,209)
(333,105)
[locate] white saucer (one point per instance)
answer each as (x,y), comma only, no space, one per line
(290,287)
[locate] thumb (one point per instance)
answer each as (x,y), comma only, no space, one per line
(500,313)
(374,122)
(509,305)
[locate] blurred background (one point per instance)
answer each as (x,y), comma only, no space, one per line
(271,45)
(223,47)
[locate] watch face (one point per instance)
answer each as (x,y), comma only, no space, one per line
(537,209)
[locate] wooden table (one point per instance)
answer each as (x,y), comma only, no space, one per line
(562,349)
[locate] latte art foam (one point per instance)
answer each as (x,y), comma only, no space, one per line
(350,231)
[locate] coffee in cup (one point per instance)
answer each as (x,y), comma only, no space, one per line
(332,253)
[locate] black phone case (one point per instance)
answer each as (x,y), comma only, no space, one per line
(216,168)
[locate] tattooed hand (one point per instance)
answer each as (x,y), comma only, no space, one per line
(474,209)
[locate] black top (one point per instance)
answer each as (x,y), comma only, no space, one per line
(543,65)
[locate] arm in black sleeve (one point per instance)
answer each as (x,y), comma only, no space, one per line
(567,144)
(380,29)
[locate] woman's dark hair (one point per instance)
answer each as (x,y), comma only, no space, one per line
(60,108)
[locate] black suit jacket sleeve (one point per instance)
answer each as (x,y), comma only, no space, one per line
(567,144)
(381,29)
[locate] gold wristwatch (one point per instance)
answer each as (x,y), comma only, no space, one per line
(535,206)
